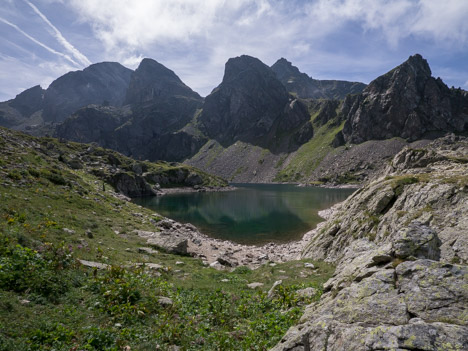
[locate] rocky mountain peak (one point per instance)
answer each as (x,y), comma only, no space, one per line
(152,82)
(406,102)
(29,101)
(249,103)
(100,83)
(413,74)
(285,69)
(306,87)
(239,69)
(418,63)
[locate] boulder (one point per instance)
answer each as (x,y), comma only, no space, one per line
(171,242)
(254,285)
(417,240)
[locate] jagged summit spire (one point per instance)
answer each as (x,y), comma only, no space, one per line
(418,63)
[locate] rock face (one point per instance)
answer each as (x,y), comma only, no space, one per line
(400,245)
(169,241)
(29,101)
(406,102)
(131,185)
(250,105)
(17,113)
(306,87)
(94,123)
(102,83)
(160,104)
(152,82)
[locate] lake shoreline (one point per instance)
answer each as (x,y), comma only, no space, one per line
(227,255)
(181,190)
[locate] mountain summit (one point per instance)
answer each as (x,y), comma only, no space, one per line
(100,83)
(406,102)
(306,87)
(152,81)
(250,104)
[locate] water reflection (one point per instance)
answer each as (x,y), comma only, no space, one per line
(252,214)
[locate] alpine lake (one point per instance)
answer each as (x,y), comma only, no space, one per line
(253,214)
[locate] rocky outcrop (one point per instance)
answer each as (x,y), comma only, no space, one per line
(306,87)
(131,185)
(400,245)
(102,83)
(250,105)
(406,102)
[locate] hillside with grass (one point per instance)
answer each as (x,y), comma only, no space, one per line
(74,274)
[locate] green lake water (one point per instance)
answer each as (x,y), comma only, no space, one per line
(251,214)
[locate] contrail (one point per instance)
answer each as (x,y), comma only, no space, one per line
(38,42)
(60,38)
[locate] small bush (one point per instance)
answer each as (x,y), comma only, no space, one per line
(25,270)
(35,173)
(14,174)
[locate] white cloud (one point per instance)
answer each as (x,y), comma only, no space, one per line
(60,38)
(438,20)
(443,20)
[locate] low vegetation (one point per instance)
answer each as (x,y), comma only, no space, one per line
(309,155)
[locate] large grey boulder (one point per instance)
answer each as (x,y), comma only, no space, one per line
(417,241)
(169,241)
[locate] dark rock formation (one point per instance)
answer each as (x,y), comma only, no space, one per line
(406,102)
(17,112)
(131,185)
(250,105)
(94,123)
(160,105)
(306,87)
(152,82)
(29,101)
(103,83)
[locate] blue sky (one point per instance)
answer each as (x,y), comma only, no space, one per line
(328,39)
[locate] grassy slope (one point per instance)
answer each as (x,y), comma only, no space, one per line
(50,302)
(309,155)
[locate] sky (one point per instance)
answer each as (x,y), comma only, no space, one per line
(355,40)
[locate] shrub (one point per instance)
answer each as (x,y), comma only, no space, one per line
(25,270)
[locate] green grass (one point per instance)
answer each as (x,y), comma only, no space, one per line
(309,155)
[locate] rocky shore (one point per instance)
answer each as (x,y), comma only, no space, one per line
(186,239)
(195,189)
